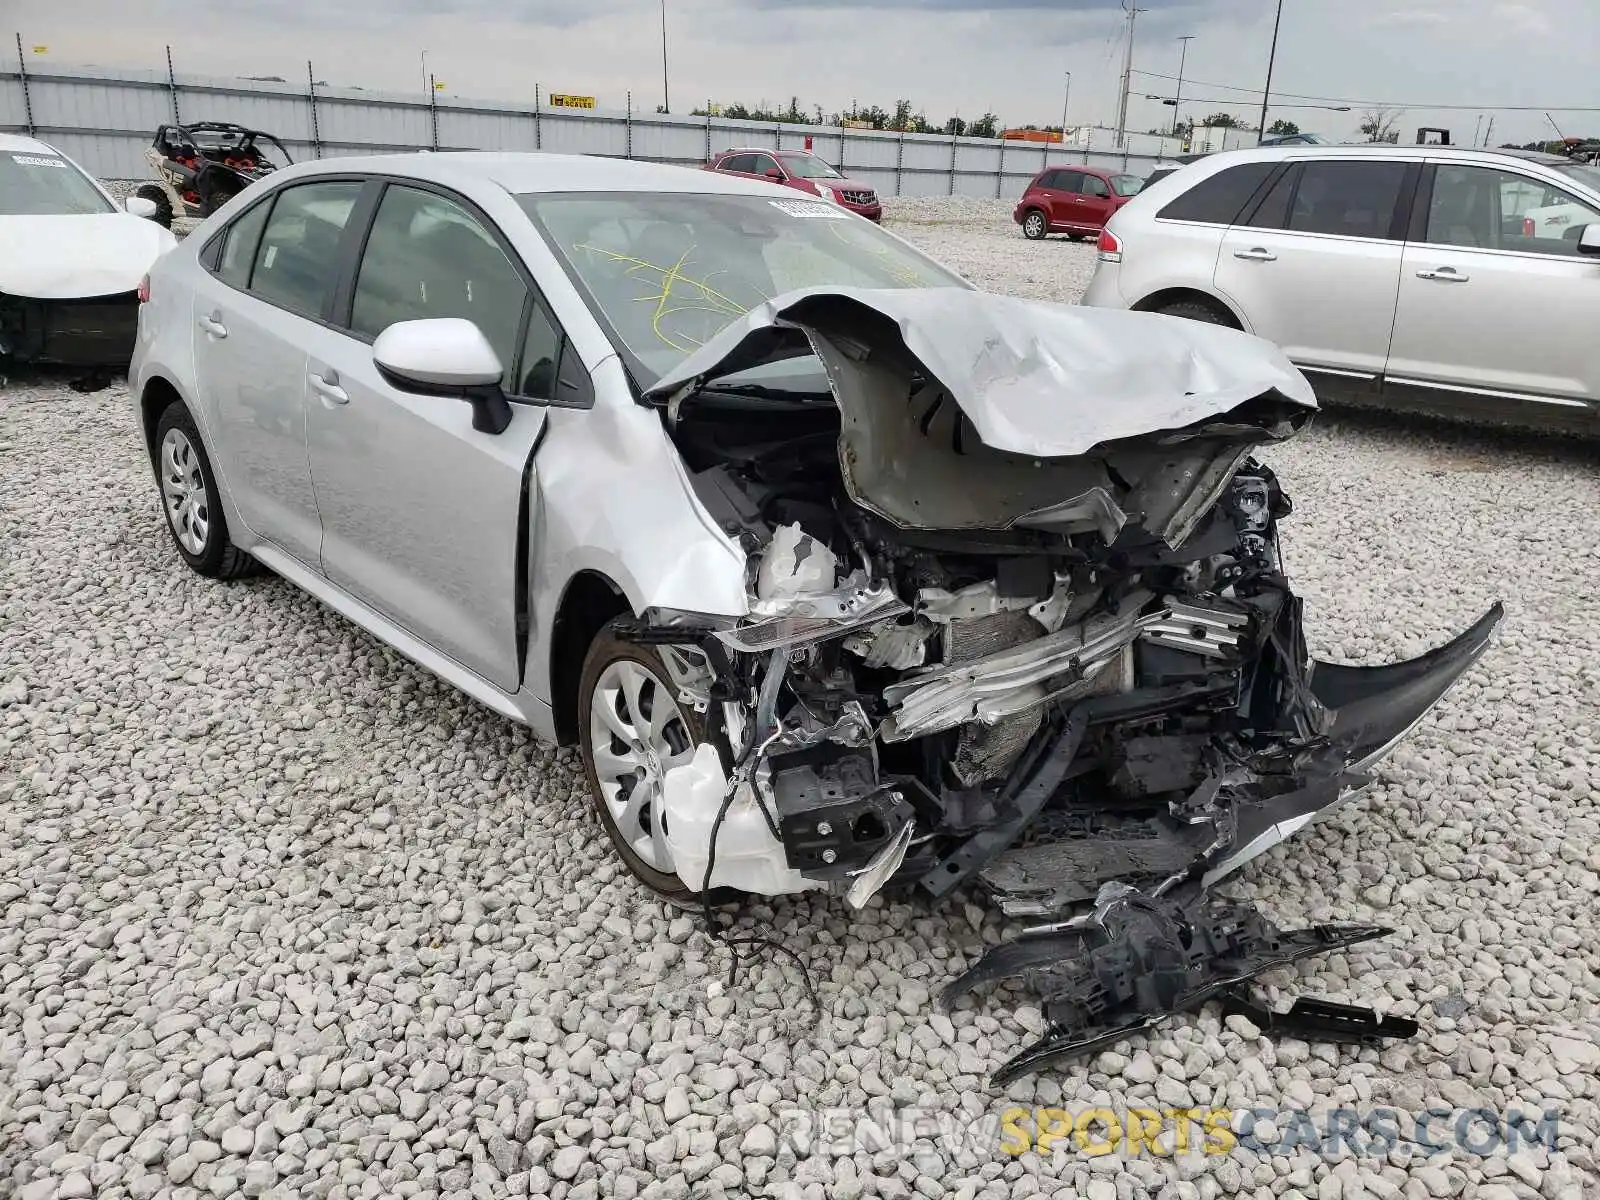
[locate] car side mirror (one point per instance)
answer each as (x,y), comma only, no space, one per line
(445,356)
(140,206)
(1589,240)
(774,173)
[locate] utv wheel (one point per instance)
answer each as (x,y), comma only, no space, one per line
(1197,310)
(189,498)
(158,197)
(632,730)
(1034,226)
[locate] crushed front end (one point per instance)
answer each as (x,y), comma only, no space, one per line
(1008,637)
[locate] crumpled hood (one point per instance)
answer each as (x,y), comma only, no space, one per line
(62,257)
(1052,380)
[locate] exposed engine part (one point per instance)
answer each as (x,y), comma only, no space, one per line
(834,813)
(1213,632)
(985,752)
(897,645)
(748,856)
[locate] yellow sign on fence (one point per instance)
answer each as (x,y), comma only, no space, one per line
(558,100)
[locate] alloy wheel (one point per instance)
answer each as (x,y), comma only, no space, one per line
(183,488)
(637,733)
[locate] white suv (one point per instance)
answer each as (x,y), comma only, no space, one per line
(1456,281)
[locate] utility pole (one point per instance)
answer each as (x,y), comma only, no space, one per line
(1064,102)
(1127,78)
(666,104)
(1271,58)
(1488,133)
(1177,96)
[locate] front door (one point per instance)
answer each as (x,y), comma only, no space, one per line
(1096,204)
(1495,298)
(1316,265)
(253,313)
(421,513)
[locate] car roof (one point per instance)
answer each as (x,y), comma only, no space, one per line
(529,171)
(1465,153)
(16,143)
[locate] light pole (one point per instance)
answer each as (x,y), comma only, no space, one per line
(1271,57)
(1177,96)
(1064,101)
(666,104)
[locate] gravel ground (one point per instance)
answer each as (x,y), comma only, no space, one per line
(282,915)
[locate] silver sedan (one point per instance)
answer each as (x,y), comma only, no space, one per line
(841,573)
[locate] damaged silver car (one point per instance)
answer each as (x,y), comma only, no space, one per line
(844,576)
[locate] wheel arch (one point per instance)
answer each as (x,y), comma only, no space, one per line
(159,392)
(588,603)
(1174,295)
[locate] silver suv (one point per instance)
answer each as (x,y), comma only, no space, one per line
(1454,281)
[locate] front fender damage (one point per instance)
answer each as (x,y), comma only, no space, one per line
(1018,623)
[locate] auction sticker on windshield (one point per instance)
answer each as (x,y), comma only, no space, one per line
(807,208)
(31,160)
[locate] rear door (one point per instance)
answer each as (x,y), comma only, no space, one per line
(420,511)
(254,311)
(1314,264)
(1064,188)
(1496,304)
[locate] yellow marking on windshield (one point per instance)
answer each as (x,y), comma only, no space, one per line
(897,269)
(671,299)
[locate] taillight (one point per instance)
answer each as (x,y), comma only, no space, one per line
(1110,246)
(144,290)
(1528,229)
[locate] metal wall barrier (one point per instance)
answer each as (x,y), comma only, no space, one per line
(105,119)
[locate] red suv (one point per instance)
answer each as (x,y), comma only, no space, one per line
(1073,200)
(804,172)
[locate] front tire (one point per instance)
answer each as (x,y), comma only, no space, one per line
(191,501)
(632,729)
(1035,226)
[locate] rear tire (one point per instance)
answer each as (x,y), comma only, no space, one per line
(159,198)
(191,501)
(1197,310)
(217,194)
(1035,226)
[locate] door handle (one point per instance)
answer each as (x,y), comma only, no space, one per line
(214,327)
(327,386)
(1256,254)
(1445,275)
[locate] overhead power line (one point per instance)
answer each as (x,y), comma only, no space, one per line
(1370,103)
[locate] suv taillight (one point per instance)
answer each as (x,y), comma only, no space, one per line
(1110,246)
(1528,229)
(144,290)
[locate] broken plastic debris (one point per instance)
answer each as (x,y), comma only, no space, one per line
(795,564)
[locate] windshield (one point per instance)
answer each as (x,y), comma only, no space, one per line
(1126,185)
(38,185)
(807,166)
(1587,175)
(665,272)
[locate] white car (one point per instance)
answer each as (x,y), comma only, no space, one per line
(1444,279)
(71,261)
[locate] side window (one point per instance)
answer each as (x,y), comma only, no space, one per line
(1219,199)
(1093,185)
(1273,211)
(298,258)
(239,246)
(1068,181)
(1482,208)
(1047,179)
(743,163)
(541,357)
(1351,199)
(427,256)
(762,163)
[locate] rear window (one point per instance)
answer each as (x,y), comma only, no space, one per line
(1219,199)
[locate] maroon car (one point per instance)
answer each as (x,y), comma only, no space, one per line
(804,172)
(1073,200)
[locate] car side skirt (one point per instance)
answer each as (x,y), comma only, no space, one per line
(523,708)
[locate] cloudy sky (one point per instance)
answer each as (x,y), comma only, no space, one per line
(966,56)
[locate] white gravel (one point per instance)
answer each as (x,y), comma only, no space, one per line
(282,915)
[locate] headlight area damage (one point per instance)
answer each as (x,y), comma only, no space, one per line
(1018,620)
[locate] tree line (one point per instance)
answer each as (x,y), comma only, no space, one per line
(902,120)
